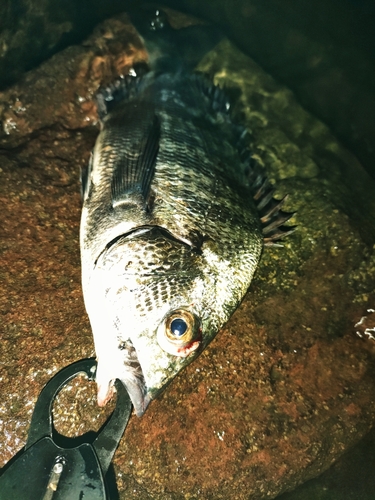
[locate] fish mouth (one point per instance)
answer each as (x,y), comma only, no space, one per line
(130,375)
(136,392)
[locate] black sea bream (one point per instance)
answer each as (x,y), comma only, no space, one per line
(170,232)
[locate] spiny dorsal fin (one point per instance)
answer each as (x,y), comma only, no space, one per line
(122,89)
(271,215)
(219,100)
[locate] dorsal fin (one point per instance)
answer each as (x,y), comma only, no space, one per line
(216,95)
(135,167)
(271,215)
(122,89)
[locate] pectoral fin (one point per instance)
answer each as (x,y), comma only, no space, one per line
(135,166)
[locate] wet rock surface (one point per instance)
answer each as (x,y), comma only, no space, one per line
(33,30)
(60,92)
(350,478)
(322,50)
(286,386)
(38,24)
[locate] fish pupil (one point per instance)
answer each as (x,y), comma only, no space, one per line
(178,327)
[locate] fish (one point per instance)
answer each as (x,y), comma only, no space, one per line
(176,212)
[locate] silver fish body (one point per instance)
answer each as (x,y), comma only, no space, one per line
(170,236)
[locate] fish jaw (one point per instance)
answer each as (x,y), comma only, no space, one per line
(135,386)
(105,392)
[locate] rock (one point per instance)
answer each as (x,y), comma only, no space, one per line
(322,50)
(342,480)
(60,92)
(31,31)
(286,387)
(40,24)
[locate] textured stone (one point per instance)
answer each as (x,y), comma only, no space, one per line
(60,92)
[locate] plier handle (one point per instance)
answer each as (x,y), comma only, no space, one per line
(42,470)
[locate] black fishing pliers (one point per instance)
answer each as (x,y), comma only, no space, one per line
(45,471)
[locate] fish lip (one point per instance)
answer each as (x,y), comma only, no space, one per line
(141,407)
(129,372)
(136,391)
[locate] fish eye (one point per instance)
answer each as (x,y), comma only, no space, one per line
(180,333)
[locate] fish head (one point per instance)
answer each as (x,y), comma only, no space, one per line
(154,314)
